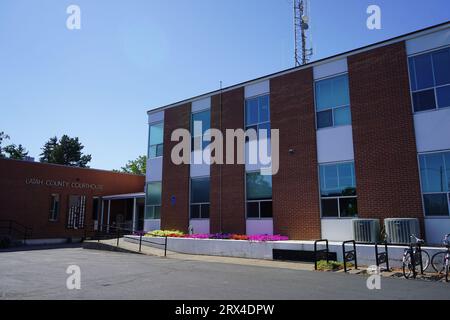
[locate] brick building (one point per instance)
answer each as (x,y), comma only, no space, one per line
(60,202)
(361,134)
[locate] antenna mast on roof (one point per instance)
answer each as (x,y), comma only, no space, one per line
(301,25)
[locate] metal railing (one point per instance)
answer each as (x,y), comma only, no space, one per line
(109,232)
(15,230)
(319,253)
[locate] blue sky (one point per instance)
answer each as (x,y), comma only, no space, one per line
(131,56)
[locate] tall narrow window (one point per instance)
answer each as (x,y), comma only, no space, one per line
(338,190)
(200,198)
(333,102)
(430,79)
(153,200)
(203,118)
(54,207)
(259,195)
(435,180)
(77,210)
(155,145)
(257,113)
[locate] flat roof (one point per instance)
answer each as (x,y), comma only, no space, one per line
(403,37)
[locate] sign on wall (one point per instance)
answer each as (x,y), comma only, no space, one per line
(63,184)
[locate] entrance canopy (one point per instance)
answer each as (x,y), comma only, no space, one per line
(126,204)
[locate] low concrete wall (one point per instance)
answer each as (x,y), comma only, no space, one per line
(263,250)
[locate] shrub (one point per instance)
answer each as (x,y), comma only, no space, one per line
(322,265)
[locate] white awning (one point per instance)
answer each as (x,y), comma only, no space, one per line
(125,196)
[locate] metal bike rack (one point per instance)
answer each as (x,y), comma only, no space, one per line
(382,257)
(349,255)
(318,253)
(416,248)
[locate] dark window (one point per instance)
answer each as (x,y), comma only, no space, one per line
(324,119)
(95,207)
(198,136)
(200,198)
(252,209)
(348,207)
(430,78)
(330,208)
(436,204)
(195,211)
(266,209)
(54,207)
(155,140)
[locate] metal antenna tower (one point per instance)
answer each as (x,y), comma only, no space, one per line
(301,25)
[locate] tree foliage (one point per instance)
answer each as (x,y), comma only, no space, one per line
(3,136)
(137,166)
(67,151)
(16,152)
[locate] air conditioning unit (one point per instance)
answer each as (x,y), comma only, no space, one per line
(398,230)
(366,230)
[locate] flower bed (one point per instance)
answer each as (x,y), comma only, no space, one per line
(223,236)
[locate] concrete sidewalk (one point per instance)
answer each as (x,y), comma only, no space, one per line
(130,247)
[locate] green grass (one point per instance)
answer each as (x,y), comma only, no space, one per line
(322,265)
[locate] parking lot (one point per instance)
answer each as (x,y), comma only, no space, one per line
(41,274)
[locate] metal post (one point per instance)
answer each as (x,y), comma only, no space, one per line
(134,223)
(140,242)
(420,257)
(109,214)
(101,217)
(354,249)
(165,247)
(413,260)
(118,235)
(387,255)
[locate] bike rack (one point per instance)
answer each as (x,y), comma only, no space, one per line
(321,252)
(349,255)
(382,257)
(413,252)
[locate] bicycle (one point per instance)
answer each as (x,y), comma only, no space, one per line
(440,260)
(413,256)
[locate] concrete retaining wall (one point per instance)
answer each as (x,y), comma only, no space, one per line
(263,250)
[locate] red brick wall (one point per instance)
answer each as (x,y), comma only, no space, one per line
(232,182)
(295,187)
(387,176)
(175,179)
(29,204)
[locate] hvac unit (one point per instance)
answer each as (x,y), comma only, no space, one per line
(366,230)
(399,230)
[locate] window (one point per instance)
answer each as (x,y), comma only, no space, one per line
(77,209)
(155,145)
(200,198)
(338,190)
(197,137)
(54,207)
(259,195)
(435,180)
(430,80)
(257,113)
(332,102)
(153,200)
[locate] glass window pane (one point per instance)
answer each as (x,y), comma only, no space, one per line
(195,211)
(159,150)
(264,126)
(348,207)
(264,113)
(432,172)
(258,186)
(441,65)
(330,208)
(346,175)
(324,119)
(205,211)
(252,210)
(424,72)
(424,100)
(157,212)
(152,151)
(200,190)
(266,209)
(443,96)
(342,116)
(329,184)
(251,111)
(156,134)
(149,212)
(153,196)
(412,74)
(205,118)
(332,93)
(435,204)
(447,168)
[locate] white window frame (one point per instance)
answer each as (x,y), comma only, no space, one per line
(411,91)
(332,108)
(198,203)
(337,197)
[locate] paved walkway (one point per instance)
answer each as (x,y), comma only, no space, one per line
(154,251)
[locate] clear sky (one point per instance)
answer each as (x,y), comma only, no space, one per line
(131,56)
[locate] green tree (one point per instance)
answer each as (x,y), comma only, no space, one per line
(137,166)
(16,152)
(3,136)
(67,151)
